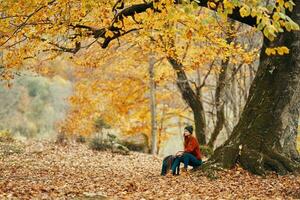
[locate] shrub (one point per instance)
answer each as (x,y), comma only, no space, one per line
(97,145)
(80,139)
(99,124)
(61,138)
(133,146)
(108,144)
(119,148)
(6,136)
(206,150)
(112,138)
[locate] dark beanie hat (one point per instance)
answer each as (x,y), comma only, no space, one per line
(189,129)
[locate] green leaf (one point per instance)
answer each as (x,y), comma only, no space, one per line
(187,10)
(282,16)
(260,26)
(195,4)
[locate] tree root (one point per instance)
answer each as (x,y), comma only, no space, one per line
(285,161)
(274,165)
(210,170)
(252,161)
(225,156)
(257,162)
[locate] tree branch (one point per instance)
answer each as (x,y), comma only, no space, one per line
(141,8)
(251,21)
(206,75)
(22,25)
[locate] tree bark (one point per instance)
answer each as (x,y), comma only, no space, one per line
(191,99)
(219,103)
(153,106)
(220,95)
(161,129)
(261,140)
(290,132)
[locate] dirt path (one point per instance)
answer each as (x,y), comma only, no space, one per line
(75,172)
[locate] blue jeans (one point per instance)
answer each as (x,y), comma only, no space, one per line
(187,159)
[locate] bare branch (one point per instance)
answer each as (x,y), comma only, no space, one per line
(21,26)
(13,16)
(207,74)
(65,49)
(18,42)
(186,49)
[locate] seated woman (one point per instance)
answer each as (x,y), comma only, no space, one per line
(191,154)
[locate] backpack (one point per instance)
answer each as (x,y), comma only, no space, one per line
(167,165)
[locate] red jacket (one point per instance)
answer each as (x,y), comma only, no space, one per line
(191,145)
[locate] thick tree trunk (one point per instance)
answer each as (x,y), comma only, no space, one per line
(264,137)
(191,99)
(290,132)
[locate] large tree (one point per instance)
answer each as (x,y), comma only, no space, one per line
(265,135)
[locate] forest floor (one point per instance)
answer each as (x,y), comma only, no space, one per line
(49,171)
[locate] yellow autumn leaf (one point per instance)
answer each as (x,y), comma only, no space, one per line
(270,51)
(212,5)
(108,34)
(282,50)
(289,5)
(276,16)
(280,2)
(245,11)
(253,13)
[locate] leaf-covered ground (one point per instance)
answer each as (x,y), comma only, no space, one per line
(49,171)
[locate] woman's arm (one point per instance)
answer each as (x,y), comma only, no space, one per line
(191,145)
(179,153)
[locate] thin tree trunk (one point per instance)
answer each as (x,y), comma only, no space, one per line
(219,103)
(234,102)
(251,73)
(220,96)
(191,99)
(180,128)
(245,84)
(160,130)
(152,105)
(200,112)
(240,90)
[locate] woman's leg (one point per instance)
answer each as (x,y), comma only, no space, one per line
(190,159)
(175,165)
